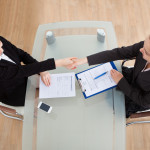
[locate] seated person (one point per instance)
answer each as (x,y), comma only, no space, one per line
(13,75)
(137,92)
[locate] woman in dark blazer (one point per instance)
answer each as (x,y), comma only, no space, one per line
(13,75)
(137,93)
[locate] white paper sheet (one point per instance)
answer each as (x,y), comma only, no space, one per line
(92,85)
(62,85)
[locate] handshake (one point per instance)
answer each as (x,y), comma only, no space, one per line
(70,63)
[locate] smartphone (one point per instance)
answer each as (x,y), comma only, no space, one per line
(45,107)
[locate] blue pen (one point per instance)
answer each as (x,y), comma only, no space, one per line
(100,75)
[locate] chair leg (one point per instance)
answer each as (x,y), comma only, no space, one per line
(137,122)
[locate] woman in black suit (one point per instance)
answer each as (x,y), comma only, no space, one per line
(137,92)
(13,75)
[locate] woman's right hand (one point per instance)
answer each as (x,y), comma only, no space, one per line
(71,62)
(66,62)
(77,62)
(80,61)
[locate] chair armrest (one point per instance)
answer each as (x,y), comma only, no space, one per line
(9,110)
(141,114)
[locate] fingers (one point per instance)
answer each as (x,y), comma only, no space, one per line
(73,58)
(112,72)
(116,76)
(68,61)
(71,67)
(74,64)
(115,71)
(1,44)
(80,61)
(46,81)
(46,78)
(1,49)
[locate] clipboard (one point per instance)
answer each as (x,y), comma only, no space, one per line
(86,80)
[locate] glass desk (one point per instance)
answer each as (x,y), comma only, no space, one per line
(75,123)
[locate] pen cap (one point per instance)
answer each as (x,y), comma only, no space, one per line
(50,37)
(101,35)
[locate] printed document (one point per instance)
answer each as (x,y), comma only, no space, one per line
(61,85)
(90,85)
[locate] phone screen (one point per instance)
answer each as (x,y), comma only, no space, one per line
(44,107)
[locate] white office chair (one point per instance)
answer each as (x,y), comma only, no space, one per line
(139,115)
(16,112)
(12,112)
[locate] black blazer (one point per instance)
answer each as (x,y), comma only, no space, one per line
(13,77)
(139,90)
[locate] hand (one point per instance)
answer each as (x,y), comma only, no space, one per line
(45,76)
(117,76)
(77,62)
(66,62)
(1,49)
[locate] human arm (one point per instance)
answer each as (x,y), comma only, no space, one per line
(45,76)
(139,96)
(9,72)
(115,54)
(110,55)
(19,71)
(65,62)
(31,64)
(116,75)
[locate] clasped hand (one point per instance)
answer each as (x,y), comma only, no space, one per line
(116,76)
(66,62)
(73,63)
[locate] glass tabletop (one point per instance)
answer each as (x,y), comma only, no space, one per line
(74,123)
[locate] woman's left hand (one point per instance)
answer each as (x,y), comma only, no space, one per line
(66,62)
(117,76)
(45,76)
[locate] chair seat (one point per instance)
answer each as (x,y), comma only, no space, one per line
(143,111)
(19,110)
(140,114)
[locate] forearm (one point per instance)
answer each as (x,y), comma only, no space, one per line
(18,71)
(115,54)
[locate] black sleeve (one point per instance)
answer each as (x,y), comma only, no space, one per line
(137,95)
(115,54)
(24,56)
(20,71)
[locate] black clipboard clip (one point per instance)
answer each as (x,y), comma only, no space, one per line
(80,84)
